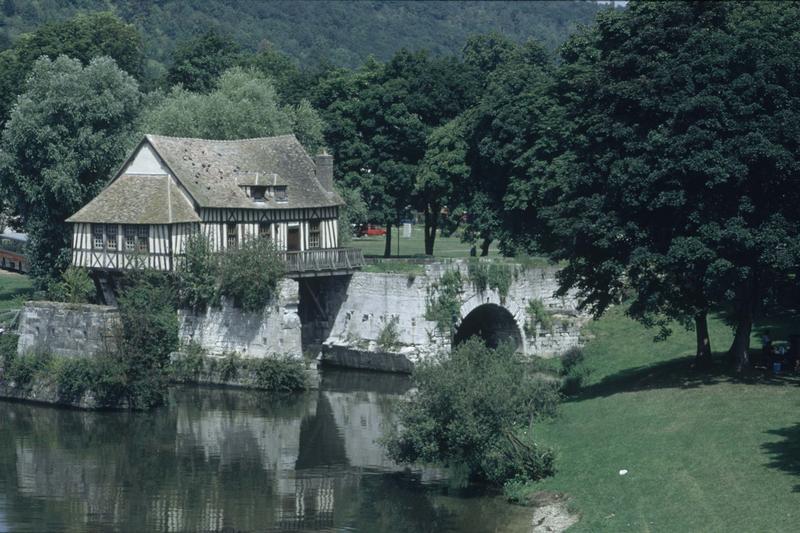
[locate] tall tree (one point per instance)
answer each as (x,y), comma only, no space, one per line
(681,159)
(198,62)
(442,170)
(82,37)
(242,104)
(66,135)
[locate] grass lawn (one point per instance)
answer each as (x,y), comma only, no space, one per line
(711,452)
(13,289)
(415,245)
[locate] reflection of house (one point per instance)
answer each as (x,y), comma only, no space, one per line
(170,188)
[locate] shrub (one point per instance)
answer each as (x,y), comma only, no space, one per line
(75,287)
(74,377)
(188,365)
(282,374)
(444,304)
(24,368)
(8,348)
(476,409)
(249,274)
(573,370)
(389,337)
(537,314)
(147,310)
(478,274)
(197,273)
(500,278)
(229,367)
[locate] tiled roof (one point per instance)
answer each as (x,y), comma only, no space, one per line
(138,199)
(214,171)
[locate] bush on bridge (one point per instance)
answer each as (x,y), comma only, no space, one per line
(248,274)
(474,409)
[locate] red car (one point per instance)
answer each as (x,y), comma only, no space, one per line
(370,230)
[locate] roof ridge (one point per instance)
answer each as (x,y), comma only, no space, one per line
(247,139)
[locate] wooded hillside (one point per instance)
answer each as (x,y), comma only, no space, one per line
(344,33)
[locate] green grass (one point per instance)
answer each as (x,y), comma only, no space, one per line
(415,245)
(14,288)
(705,452)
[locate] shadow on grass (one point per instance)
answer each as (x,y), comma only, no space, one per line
(785,454)
(678,374)
(17,292)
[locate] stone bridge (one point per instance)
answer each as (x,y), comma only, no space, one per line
(364,320)
(352,318)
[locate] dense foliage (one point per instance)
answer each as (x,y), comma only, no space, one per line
(66,134)
(75,287)
(340,32)
(239,104)
(249,274)
(476,409)
(149,318)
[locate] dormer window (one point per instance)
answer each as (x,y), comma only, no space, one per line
(257,193)
(280,194)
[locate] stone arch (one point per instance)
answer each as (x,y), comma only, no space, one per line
(493,319)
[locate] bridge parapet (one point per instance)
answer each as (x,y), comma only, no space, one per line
(323,262)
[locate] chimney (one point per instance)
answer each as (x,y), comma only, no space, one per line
(324,164)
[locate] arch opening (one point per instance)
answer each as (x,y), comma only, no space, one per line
(492,323)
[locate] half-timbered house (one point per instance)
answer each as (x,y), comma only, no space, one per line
(170,188)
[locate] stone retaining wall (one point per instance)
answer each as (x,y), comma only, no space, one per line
(67,330)
(275,330)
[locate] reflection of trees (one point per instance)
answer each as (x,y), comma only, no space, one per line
(214,459)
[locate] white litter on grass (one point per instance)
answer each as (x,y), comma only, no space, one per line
(623,472)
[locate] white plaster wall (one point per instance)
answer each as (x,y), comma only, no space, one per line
(146,162)
(274,331)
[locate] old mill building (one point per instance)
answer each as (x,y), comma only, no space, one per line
(170,188)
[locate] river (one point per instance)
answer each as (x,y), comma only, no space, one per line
(231,460)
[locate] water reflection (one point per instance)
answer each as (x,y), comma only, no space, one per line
(217,459)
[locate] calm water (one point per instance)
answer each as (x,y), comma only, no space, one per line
(230,460)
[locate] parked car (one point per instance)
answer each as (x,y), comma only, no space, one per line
(369,230)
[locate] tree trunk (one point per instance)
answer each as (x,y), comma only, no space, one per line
(387,250)
(485,246)
(703,356)
(431,224)
(740,349)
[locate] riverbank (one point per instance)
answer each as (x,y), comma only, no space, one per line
(703,452)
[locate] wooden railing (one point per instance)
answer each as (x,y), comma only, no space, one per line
(323,260)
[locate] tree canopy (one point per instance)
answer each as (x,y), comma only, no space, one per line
(83,37)
(66,135)
(242,104)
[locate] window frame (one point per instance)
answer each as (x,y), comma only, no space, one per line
(112,244)
(130,233)
(231,235)
(143,239)
(314,234)
(98,237)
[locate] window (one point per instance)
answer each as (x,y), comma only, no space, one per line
(257,193)
(143,239)
(111,237)
(265,230)
(233,235)
(313,234)
(280,194)
(130,238)
(97,236)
